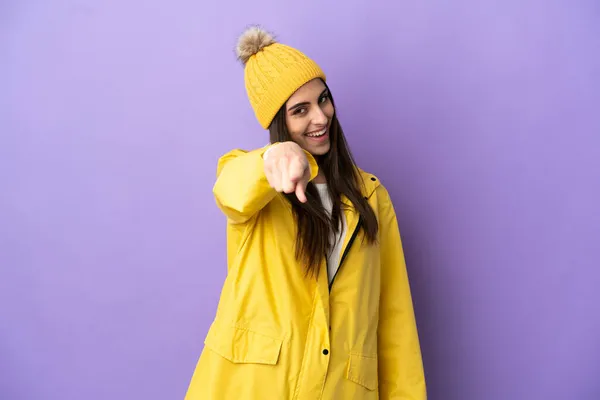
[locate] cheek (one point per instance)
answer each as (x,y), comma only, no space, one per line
(296,128)
(328,110)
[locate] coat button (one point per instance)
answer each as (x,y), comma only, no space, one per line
(325,351)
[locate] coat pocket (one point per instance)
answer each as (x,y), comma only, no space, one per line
(363,370)
(243,346)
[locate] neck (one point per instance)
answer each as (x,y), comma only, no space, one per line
(320,178)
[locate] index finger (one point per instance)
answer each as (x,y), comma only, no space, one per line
(296,170)
(301,191)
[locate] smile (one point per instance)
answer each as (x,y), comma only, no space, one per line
(318,133)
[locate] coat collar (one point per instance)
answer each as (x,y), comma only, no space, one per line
(369,183)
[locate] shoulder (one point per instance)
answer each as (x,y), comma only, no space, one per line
(373,185)
(375,188)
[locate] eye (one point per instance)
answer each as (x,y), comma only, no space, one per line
(299,111)
(324,98)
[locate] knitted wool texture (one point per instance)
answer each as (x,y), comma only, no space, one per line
(273,72)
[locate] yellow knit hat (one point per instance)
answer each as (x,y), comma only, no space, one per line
(273,72)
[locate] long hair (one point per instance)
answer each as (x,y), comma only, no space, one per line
(314,223)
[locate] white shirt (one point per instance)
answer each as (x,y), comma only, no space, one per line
(333,258)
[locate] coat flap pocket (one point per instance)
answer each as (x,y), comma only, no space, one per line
(363,370)
(240,345)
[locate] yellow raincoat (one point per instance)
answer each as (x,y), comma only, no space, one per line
(281,335)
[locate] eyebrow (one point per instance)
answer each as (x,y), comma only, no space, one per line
(305,103)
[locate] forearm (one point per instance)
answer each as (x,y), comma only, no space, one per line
(241,189)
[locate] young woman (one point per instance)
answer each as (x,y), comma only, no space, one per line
(316,303)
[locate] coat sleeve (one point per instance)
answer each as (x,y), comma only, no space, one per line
(241,189)
(401,375)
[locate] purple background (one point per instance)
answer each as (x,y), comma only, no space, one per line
(482,118)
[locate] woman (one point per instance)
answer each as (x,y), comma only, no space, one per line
(316,303)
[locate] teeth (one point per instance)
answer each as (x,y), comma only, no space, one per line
(317,134)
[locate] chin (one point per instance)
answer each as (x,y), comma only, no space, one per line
(320,151)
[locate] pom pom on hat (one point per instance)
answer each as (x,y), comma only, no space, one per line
(253,40)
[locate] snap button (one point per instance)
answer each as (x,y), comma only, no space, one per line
(325,351)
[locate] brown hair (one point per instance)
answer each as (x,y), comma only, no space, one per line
(313,222)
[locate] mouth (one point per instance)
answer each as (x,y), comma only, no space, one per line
(317,134)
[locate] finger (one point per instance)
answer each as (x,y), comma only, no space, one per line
(286,184)
(297,168)
(274,178)
(301,191)
(275,183)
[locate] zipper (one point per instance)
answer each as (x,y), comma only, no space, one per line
(346,250)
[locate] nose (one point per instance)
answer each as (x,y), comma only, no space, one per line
(319,117)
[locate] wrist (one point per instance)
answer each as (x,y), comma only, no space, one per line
(271,147)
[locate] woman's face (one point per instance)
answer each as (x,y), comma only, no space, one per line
(308,116)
